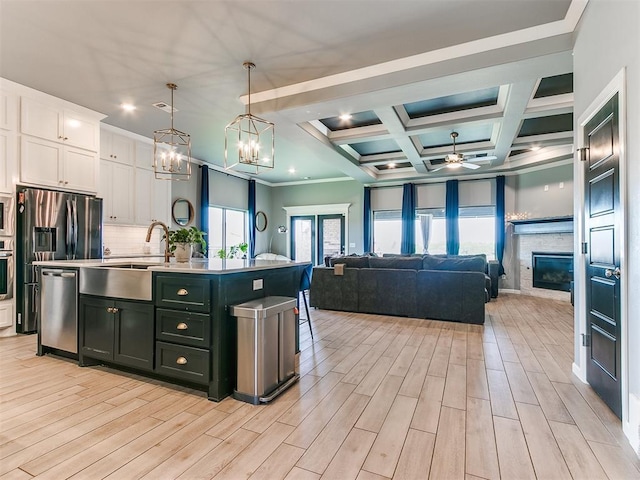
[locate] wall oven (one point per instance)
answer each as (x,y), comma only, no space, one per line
(7,216)
(6,268)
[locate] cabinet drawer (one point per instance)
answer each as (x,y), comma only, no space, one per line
(186,363)
(183,292)
(182,327)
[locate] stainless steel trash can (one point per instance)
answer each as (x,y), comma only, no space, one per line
(266,348)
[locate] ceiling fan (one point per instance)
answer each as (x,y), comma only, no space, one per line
(457,160)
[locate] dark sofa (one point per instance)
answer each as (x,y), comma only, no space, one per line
(491,268)
(419,287)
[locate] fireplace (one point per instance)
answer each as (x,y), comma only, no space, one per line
(553,271)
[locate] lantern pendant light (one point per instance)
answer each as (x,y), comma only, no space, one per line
(171,150)
(249,143)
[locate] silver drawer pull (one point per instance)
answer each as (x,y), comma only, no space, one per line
(110,309)
(183,292)
(181,361)
(182,326)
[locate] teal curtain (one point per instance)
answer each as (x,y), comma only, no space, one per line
(204,203)
(500,222)
(252,218)
(408,243)
(451,214)
(367,223)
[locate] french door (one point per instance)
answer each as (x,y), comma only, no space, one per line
(330,236)
(315,236)
(303,238)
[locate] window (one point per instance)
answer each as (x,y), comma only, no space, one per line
(478,231)
(476,226)
(387,231)
(431,224)
(227,228)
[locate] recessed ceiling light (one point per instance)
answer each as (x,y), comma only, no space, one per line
(391,165)
(306,178)
(128,107)
(535,149)
(292,170)
(345,117)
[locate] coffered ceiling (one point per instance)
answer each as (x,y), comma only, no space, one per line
(408,72)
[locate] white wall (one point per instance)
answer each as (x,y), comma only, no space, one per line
(607,40)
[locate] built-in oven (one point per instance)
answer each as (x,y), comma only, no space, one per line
(7,216)
(7,271)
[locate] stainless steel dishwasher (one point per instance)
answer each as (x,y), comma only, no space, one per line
(59,309)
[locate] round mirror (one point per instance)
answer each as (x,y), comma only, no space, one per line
(261,221)
(182,212)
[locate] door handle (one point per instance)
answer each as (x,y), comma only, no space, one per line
(612,273)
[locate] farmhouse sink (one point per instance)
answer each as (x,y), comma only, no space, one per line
(128,280)
(132,266)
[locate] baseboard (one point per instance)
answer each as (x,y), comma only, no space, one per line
(509,290)
(632,427)
(577,371)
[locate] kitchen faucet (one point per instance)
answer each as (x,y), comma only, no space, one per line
(166,238)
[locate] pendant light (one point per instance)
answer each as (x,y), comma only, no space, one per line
(249,141)
(171,150)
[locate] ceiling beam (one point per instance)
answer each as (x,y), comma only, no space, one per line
(517,101)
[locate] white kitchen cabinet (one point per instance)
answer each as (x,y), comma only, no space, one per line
(49,121)
(117,191)
(6,314)
(144,155)
(116,147)
(7,161)
(51,164)
(152,198)
(8,110)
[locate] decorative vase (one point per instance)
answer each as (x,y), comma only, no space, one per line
(182,252)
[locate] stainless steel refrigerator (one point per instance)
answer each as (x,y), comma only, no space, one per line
(51,225)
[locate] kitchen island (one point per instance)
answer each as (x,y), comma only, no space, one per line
(170,321)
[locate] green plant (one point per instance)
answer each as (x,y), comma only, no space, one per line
(234,251)
(186,235)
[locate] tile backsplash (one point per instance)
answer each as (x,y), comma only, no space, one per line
(127,240)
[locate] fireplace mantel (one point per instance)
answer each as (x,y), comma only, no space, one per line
(533,226)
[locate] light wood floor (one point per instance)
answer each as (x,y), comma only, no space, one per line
(380,397)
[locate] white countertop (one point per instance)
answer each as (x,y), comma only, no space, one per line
(214,265)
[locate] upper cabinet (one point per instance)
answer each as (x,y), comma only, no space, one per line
(144,155)
(50,122)
(7,160)
(116,147)
(50,164)
(8,127)
(8,110)
(59,144)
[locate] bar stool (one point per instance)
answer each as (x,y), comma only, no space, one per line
(305,284)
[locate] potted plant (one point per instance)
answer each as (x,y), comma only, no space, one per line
(182,240)
(234,251)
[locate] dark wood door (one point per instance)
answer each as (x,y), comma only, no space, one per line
(602,220)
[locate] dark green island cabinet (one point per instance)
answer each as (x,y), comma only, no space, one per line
(186,334)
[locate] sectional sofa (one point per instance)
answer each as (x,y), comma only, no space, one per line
(432,287)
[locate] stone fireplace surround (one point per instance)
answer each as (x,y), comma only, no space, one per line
(541,242)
